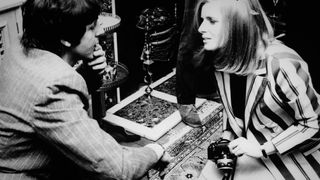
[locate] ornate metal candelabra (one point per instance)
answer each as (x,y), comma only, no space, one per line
(145,57)
(158,31)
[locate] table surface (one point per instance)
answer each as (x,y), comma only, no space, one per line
(187,145)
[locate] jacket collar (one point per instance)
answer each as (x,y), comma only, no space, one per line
(255,86)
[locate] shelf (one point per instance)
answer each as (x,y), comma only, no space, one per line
(108,23)
(122,74)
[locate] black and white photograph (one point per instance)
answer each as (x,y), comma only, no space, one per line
(159,90)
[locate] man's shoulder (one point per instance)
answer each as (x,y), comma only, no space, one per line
(49,65)
(41,69)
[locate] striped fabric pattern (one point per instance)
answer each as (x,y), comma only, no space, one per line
(283,107)
(44,124)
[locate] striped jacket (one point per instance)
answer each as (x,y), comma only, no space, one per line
(283,107)
(44,125)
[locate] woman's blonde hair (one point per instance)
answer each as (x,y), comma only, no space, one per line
(246,26)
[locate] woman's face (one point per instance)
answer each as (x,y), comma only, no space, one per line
(84,50)
(211,26)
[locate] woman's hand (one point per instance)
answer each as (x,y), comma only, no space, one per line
(242,146)
(98,63)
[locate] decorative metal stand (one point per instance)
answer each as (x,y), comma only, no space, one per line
(115,72)
(159,30)
(146,60)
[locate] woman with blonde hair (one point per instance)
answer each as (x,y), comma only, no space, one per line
(271,110)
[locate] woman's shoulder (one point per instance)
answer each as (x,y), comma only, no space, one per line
(279,50)
(279,53)
(283,58)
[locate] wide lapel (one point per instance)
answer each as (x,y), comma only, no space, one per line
(223,80)
(256,84)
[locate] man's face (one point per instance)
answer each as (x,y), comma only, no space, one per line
(88,42)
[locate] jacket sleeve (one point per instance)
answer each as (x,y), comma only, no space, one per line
(60,119)
(293,86)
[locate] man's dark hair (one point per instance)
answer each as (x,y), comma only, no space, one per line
(46,22)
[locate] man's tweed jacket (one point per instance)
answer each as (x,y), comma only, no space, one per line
(44,124)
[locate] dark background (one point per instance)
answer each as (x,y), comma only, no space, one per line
(295,18)
(131,41)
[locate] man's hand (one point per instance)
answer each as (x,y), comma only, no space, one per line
(98,63)
(160,151)
(166,157)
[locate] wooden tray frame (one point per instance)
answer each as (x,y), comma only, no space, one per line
(151,133)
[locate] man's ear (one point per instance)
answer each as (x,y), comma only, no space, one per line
(65,43)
